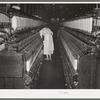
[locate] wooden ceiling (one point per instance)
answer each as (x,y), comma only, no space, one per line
(48,11)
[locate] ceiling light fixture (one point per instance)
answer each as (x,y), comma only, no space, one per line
(16,7)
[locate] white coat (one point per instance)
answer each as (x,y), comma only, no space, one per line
(48,40)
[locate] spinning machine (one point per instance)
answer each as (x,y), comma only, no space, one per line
(80,45)
(21,52)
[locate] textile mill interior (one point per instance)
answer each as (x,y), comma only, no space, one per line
(75,62)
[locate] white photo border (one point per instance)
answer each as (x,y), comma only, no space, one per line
(49,93)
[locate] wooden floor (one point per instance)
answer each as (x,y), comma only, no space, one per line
(51,76)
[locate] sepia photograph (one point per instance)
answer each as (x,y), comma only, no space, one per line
(50,46)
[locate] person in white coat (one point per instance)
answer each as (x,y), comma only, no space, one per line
(48,42)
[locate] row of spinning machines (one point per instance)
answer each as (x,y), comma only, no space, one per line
(21,51)
(80,49)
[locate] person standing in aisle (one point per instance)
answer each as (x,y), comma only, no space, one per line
(47,34)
